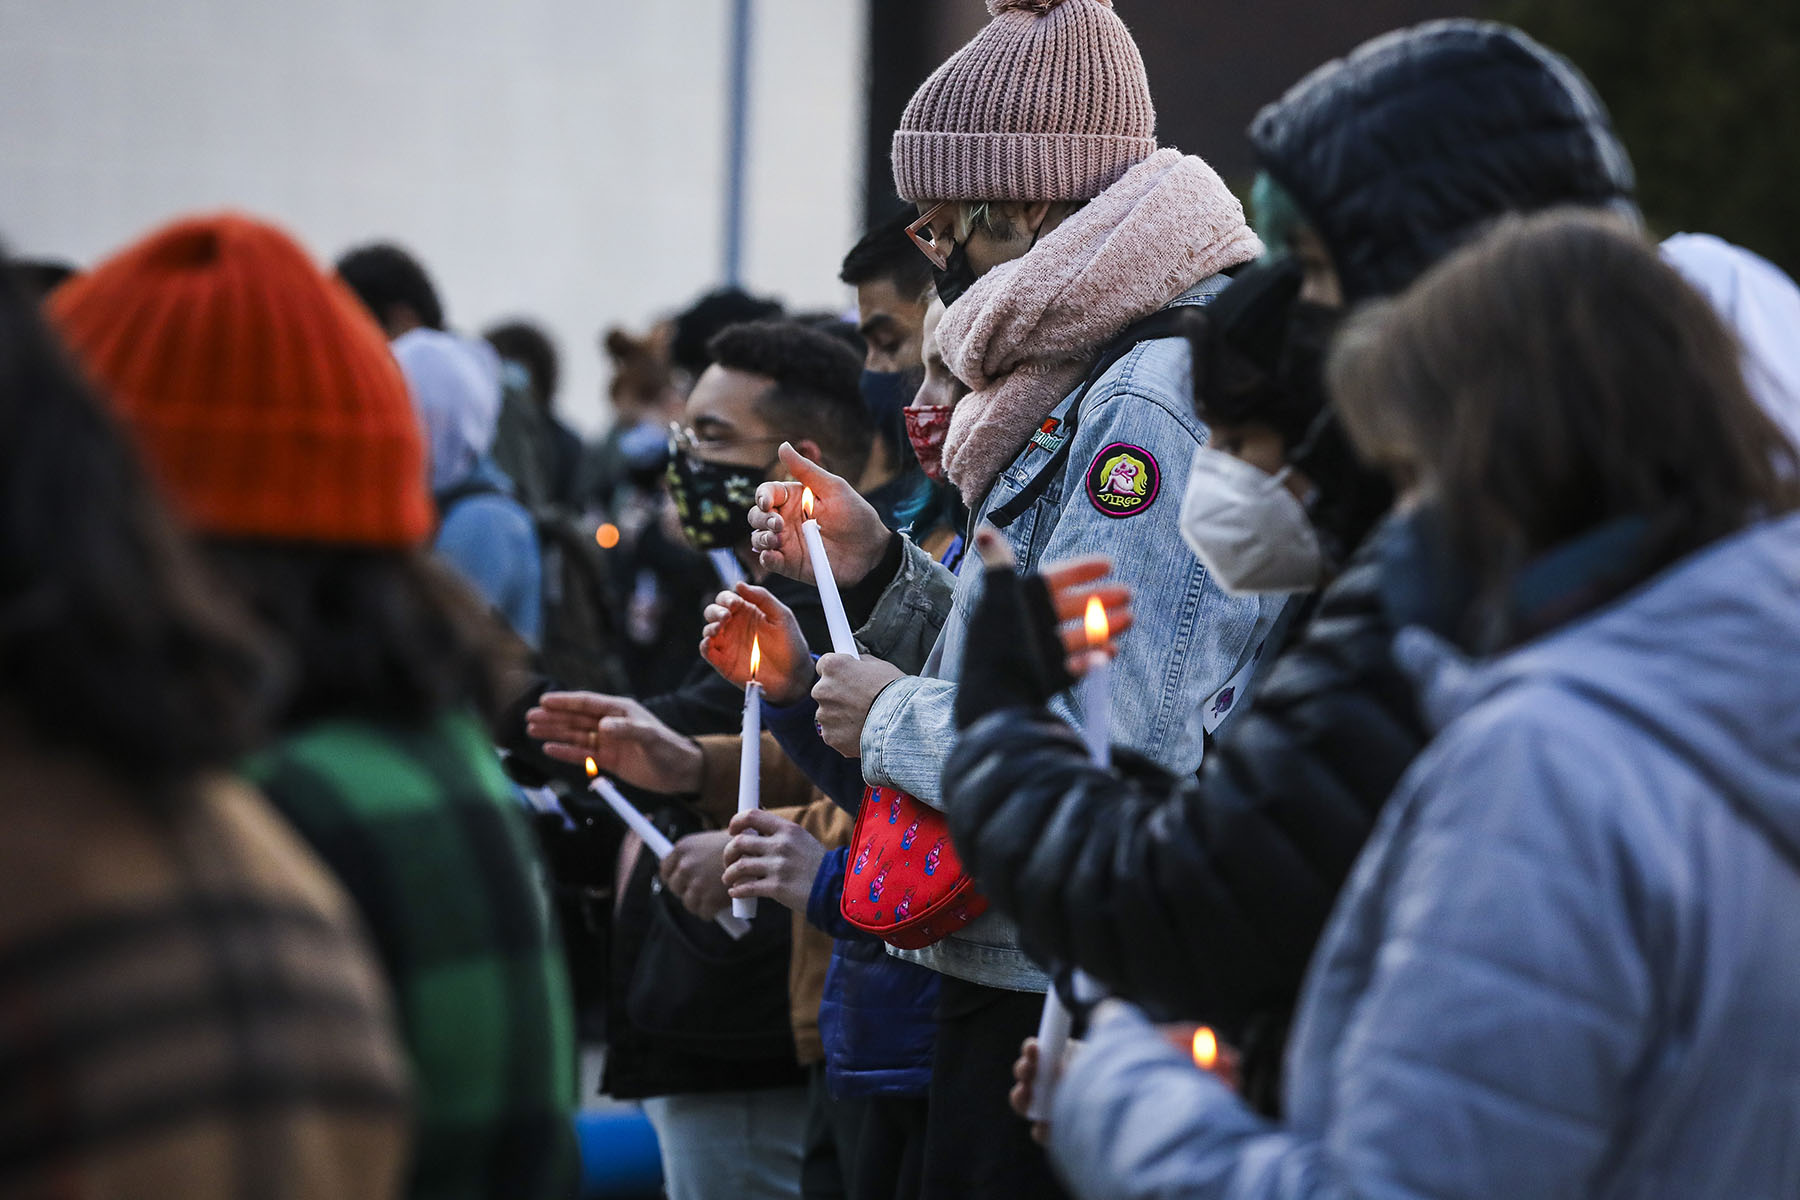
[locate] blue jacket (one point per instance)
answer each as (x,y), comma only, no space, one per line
(491,540)
(877,1018)
(1568,962)
(1192,649)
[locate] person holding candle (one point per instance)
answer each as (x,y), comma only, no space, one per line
(1062,235)
(274,416)
(146,1053)
(1566,964)
(1150,880)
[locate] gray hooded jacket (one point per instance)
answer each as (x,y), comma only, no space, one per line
(1567,964)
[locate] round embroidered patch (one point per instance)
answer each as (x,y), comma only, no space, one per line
(1123,480)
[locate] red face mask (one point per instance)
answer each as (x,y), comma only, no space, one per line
(926,426)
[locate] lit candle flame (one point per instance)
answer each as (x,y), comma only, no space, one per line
(1097,628)
(592,769)
(806,502)
(1206,1048)
(755,656)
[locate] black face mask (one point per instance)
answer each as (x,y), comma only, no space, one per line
(1300,369)
(713,500)
(956,277)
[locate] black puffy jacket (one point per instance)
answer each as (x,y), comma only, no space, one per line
(1199,897)
(1405,148)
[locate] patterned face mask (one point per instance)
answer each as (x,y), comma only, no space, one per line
(926,426)
(714,500)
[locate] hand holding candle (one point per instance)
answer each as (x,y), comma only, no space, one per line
(842,640)
(851,528)
(750,763)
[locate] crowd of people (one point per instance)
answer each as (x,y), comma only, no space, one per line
(1296,711)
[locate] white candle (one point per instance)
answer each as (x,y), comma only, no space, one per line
(750,762)
(652,837)
(1096,732)
(843,641)
(1096,688)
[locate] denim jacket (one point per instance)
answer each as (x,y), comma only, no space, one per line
(1181,669)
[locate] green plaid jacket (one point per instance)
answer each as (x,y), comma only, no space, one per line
(420,825)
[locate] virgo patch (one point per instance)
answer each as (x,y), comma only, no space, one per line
(1123,480)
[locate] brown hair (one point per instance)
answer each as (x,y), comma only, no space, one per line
(115,643)
(1552,377)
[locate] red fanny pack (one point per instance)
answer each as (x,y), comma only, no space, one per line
(904,883)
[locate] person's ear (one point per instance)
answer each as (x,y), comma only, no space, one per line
(809,450)
(1033,216)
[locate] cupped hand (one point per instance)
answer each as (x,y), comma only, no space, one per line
(771,857)
(622,737)
(850,528)
(733,619)
(846,690)
(693,871)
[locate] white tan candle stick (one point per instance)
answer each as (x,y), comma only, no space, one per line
(1096,687)
(653,838)
(1096,732)
(843,641)
(750,763)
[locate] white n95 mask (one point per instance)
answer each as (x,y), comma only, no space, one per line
(1248,529)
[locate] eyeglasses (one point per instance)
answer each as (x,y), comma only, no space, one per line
(683,440)
(927,239)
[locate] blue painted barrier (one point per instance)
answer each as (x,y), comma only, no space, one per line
(619,1155)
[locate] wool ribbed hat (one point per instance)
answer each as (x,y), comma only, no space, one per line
(1048,102)
(260,392)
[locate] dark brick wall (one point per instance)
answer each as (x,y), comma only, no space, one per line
(1212,63)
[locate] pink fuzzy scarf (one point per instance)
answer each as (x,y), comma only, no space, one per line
(1025,333)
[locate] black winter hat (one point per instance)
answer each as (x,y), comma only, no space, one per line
(1417,139)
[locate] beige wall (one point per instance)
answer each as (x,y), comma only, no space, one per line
(561,158)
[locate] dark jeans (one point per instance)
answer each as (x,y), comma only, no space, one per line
(976,1147)
(867,1148)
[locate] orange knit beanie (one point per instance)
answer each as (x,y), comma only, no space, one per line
(1048,102)
(260,392)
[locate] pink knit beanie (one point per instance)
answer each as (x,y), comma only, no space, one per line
(1048,102)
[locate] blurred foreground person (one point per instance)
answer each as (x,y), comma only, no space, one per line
(272,413)
(187,1005)
(1202,896)
(1566,964)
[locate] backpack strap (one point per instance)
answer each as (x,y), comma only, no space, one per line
(1164,323)
(468,489)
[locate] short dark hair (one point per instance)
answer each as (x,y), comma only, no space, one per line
(384,276)
(817,390)
(528,345)
(701,321)
(885,252)
(378,635)
(115,644)
(1555,376)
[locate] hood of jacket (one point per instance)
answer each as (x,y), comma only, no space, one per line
(455,385)
(1700,657)
(1759,303)
(1398,152)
